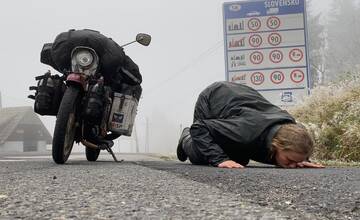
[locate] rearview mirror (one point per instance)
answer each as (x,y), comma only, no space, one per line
(143,39)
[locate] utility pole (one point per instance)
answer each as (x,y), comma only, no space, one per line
(147,136)
(136,139)
(118,144)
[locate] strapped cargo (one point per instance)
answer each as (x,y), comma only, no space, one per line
(114,63)
(48,94)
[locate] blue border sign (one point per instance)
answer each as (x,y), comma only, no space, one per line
(266,48)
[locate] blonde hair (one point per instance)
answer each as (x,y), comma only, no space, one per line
(293,137)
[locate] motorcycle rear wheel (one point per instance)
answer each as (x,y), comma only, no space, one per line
(92,154)
(65,127)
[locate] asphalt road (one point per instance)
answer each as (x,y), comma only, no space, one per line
(146,187)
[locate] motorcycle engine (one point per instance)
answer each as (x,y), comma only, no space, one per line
(95,104)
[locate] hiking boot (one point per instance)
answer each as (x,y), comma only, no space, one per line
(181,155)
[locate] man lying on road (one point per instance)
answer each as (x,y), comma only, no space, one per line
(234,123)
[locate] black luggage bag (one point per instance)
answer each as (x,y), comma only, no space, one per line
(49,92)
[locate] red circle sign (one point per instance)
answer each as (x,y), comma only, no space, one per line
(276,56)
(274,39)
(277,77)
(297,76)
(254,24)
(273,22)
(296,55)
(257,78)
(256,57)
(255,40)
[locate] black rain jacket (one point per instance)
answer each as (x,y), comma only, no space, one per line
(235,122)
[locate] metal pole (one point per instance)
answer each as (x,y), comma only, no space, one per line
(147,136)
(118,140)
(136,139)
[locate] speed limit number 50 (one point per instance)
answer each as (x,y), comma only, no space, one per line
(254,24)
(273,22)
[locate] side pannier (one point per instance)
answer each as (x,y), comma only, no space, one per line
(48,93)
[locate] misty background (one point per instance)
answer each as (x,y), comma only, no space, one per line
(185,55)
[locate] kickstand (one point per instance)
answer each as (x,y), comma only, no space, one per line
(113,155)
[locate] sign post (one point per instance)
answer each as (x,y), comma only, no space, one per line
(266,48)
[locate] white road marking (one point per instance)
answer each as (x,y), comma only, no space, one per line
(41,157)
(81,156)
(28,157)
(11,160)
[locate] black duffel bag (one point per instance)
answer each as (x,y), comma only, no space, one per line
(112,57)
(49,92)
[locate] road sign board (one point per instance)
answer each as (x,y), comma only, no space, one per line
(266,47)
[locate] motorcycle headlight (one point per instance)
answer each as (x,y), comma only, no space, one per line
(84,58)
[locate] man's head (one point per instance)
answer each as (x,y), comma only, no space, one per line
(292,144)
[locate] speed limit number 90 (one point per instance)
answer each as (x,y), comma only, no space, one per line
(276,56)
(255,40)
(256,57)
(274,39)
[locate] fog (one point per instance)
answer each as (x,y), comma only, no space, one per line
(185,56)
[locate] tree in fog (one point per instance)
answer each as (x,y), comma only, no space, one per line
(316,45)
(343,37)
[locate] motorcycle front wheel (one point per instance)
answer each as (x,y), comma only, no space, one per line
(65,127)
(92,154)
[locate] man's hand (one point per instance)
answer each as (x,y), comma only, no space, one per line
(230,164)
(305,164)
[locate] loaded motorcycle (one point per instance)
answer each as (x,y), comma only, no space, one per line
(87,108)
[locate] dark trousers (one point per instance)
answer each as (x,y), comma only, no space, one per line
(190,149)
(202,112)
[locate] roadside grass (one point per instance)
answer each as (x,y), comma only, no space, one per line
(332,116)
(337,163)
(168,157)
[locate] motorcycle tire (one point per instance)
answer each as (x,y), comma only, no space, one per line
(65,127)
(92,154)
